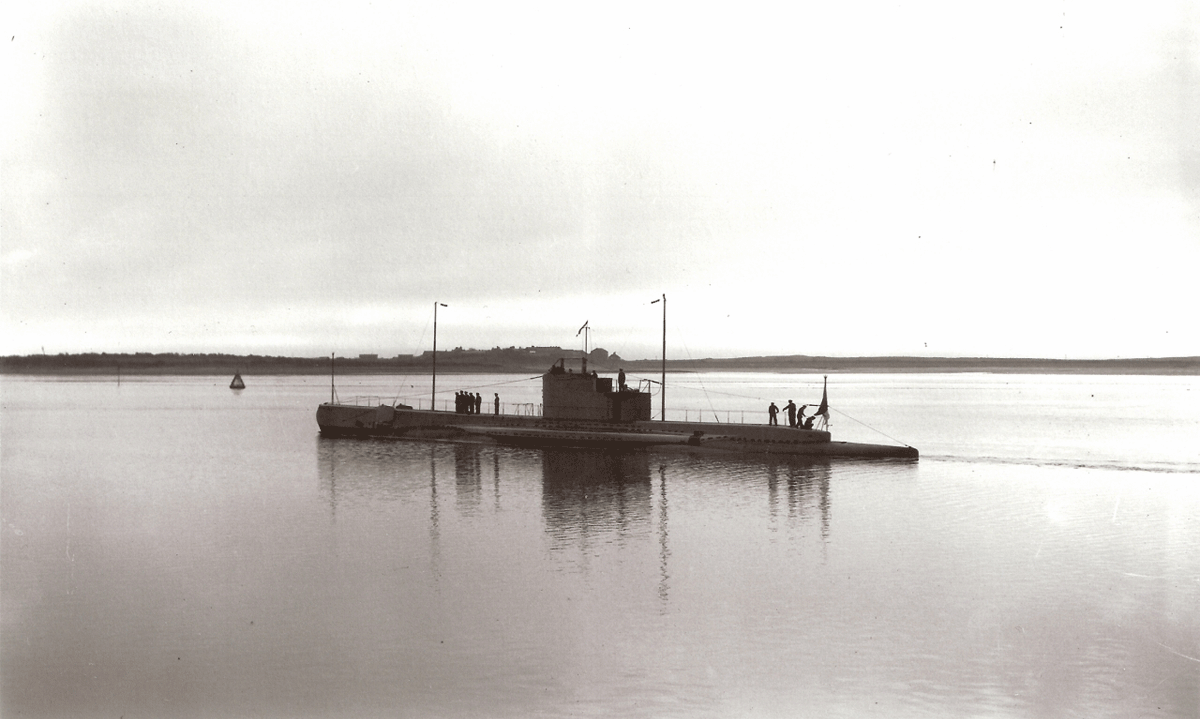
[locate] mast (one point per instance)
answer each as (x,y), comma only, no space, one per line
(433,391)
(585,329)
(332,355)
(662,387)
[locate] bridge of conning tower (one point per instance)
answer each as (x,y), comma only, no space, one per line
(584,395)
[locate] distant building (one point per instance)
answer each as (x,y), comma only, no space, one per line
(369,357)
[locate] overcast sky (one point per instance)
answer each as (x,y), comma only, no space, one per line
(1012,179)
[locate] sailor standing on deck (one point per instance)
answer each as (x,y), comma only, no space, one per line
(791,410)
(772,413)
(621,380)
(496,402)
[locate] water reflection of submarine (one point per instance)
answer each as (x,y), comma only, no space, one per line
(392,470)
(591,490)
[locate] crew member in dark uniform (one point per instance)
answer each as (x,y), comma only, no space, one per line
(773,413)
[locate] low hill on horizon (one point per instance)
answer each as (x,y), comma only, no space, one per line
(538,359)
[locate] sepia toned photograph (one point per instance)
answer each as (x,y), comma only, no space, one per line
(513,360)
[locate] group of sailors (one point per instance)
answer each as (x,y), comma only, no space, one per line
(467,403)
(796,418)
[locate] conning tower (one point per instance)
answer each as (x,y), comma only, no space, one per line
(567,394)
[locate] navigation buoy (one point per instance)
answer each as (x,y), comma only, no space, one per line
(237,382)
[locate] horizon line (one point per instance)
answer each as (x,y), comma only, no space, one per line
(576,352)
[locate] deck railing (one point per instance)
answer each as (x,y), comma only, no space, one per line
(532,409)
(730,416)
(525,409)
(365,401)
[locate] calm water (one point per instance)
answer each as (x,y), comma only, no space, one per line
(173,548)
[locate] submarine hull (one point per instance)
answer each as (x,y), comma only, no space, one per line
(339,420)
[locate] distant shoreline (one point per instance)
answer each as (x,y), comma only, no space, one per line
(537,360)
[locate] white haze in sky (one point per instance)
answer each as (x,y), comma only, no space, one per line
(1007,179)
